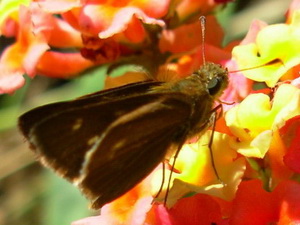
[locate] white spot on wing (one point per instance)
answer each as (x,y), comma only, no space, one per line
(93,140)
(77,125)
(116,147)
(119,144)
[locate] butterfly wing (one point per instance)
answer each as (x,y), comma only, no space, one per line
(107,146)
(65,152)
(131,148)
(29,119)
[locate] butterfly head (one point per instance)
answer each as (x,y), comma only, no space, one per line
(215,77)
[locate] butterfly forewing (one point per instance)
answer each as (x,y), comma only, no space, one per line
(87,143)
(136,144)
(31,118)
(53,133)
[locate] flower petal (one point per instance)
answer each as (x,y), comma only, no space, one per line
(8,10)
(291,135)
(253,205)
(255,27)
(62,65)
(107,20)
(199,209)
(195,172)
(255,119)
(23,56)
(123,18)
(188,37)
(59,6)
(11,82)
(267,52)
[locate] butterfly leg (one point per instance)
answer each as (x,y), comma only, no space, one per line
(162,182)
(214,117)
(172,169)
(170,176)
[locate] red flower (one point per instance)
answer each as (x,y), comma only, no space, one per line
(254,205)
(290,134)
(200,209)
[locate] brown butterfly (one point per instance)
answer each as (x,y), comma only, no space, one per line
(108,141)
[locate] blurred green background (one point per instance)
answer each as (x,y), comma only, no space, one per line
(30,194)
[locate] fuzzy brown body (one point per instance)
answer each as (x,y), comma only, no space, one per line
(107,142)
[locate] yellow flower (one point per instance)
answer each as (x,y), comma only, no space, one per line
(194,172)
(257,117)
(274,51)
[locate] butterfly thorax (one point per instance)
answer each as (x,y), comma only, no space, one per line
(200,90)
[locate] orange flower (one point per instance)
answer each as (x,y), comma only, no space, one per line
(22,56)
(107,19)
(184,43)
(106,32)
(114,29)
(37,30)
(131,208)
(188,8)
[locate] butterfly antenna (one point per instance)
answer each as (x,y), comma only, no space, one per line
(271,63)
(203,23)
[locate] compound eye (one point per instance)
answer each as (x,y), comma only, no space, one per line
(214,85)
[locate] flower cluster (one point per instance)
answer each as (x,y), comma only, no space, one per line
(76,35)
(255,144)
